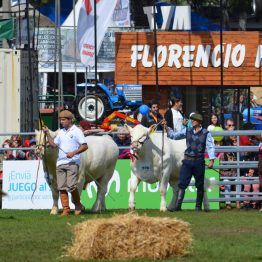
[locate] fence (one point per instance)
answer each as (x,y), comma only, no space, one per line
(238,194)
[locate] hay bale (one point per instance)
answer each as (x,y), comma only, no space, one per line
(130,236)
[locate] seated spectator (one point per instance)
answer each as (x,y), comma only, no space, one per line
(30,154)
(123,140)
(17,142)
(8,154)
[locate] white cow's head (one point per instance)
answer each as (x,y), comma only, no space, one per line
(139,135)
(42,142)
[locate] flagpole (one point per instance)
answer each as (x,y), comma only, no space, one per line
(29,66)
(221,66)
(155,47)
(75,74)
(95,40)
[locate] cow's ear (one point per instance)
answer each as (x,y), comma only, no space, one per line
(128,128)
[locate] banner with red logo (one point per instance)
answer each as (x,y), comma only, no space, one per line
(85,27)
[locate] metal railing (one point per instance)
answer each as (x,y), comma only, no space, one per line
(237,180)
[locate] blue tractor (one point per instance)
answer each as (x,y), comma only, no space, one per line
(120,97)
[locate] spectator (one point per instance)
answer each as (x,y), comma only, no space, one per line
(8,154)
(251,187)
(229,156)
(214,122)
(88,129)
(174,116)
(154,117)
(123,140)
(17,142)
(253,99)
(30,154)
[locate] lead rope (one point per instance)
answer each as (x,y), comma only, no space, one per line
(37,172)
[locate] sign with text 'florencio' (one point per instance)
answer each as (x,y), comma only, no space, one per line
(189,58)
(20,180)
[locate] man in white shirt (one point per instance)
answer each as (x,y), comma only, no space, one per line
(173,116)
(70,142)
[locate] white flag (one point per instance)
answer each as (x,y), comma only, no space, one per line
(85,27)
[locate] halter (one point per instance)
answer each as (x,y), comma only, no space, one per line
(143,141)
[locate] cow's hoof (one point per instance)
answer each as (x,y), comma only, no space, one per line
(163,209)
(131,209)
(54,211)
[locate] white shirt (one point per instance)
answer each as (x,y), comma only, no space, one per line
(177,120)
(210,127)
(69,140)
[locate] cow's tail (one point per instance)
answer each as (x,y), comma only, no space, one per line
(210,184)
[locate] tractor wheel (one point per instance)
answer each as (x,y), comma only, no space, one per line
(85,107)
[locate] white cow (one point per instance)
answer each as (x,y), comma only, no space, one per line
(97,164)
(147,164)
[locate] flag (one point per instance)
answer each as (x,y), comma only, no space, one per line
(85,27)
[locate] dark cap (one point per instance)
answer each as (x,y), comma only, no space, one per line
(196,117)
(65,114)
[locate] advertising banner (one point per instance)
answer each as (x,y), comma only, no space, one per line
(147,195)
(22,177)
(46,51)
(86,26)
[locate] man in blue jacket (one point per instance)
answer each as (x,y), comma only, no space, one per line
(198,140)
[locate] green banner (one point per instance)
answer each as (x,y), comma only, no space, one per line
(147,195)
(7,29)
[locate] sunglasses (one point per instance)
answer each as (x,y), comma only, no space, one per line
(230,125)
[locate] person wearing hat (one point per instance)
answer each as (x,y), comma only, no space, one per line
(71,142)
(198,140)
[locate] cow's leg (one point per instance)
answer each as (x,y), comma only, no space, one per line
(163,188)
(101,183)
(55,196)
(80,185)
(134,182)
(174,197)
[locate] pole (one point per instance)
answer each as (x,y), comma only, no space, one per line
(155,50)
(6,14)
(60,74)
(29,68)
(221,65)
(95,38)
(75,74)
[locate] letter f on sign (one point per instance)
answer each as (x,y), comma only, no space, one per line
(135,54)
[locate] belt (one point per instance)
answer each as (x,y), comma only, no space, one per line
(72,163)
(193,158)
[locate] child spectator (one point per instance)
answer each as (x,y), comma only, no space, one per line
(123,140)
(251,188)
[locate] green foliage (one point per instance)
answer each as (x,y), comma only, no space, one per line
(30,236)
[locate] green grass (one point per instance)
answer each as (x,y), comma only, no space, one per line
(34,235)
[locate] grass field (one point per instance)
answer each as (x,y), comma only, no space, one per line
(34,236)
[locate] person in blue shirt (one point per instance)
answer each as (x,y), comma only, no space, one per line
(198,140)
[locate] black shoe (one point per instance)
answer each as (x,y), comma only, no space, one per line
(198,209)
(174,209)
